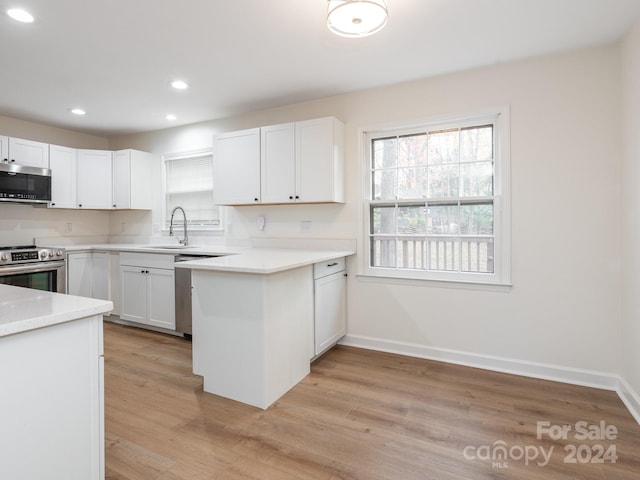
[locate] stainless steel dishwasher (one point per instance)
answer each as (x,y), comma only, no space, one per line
(183,293)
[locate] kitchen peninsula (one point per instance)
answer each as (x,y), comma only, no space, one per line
(51,365)
(253,319)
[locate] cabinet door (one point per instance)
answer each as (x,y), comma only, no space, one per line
(79,274)
(277,163)
(52,402)
(330,304)
(4,149)
(100,275)
(94,179)
(236,167)
(28,152)
(141,164)
(122,179)
(62,161)
(134,294)
(161,285)
(319,160)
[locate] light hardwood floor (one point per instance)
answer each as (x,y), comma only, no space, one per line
(358,415)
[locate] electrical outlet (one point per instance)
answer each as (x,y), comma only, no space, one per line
(68,227)
(305,226)
(123,227)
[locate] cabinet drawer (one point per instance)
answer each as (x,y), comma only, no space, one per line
(322,269)
(150,260)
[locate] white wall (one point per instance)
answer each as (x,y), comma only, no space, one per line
(20,224)
(631,208)
(38,132)
(564,307)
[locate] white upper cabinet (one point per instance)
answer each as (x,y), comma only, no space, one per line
(320,161)
(236,167)
(24,152)
(94,179)
(293,162)
(277,163)
(4,149)
(62,161)
(131,179)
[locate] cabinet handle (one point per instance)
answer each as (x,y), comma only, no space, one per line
(290,197)
(114,206)
(332,264)
(13,160)
(255,199)
(80,205)
(297,197)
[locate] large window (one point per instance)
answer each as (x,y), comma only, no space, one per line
(437,205)
(188,183)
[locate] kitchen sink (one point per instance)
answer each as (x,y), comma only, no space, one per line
(169,247)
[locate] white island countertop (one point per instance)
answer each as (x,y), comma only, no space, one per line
(264,260)
(25,309)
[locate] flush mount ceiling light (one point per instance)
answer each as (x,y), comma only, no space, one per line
(78,111)
(356,18)
(20,15)
(179,85)
(170,116)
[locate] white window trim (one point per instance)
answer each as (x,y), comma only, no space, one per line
(167,157)
(502,204)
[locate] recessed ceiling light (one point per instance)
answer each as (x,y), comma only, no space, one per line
(170,116)
(179,85)
(20,15)
(78,111)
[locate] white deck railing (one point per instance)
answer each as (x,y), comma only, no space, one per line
(463,254)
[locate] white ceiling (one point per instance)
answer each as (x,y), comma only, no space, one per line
(115,58)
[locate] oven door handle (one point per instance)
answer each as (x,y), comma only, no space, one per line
(30,268)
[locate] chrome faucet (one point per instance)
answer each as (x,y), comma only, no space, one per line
(185,240)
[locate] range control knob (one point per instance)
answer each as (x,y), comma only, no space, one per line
(4,257)
(59,253)
(43,254)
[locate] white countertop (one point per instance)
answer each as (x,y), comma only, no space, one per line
(24,309)
(229,258)
(264,260)
(167,249)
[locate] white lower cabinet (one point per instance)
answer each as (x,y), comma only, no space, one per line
(88,275)
(330,304)
(147,289)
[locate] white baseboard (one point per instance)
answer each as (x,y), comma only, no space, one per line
(556,373)
(630,398)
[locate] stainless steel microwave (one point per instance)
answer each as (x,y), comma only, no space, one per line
(21,184)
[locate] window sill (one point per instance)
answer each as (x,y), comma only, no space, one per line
(425,282)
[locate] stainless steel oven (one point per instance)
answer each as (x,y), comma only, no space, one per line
(32,267)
